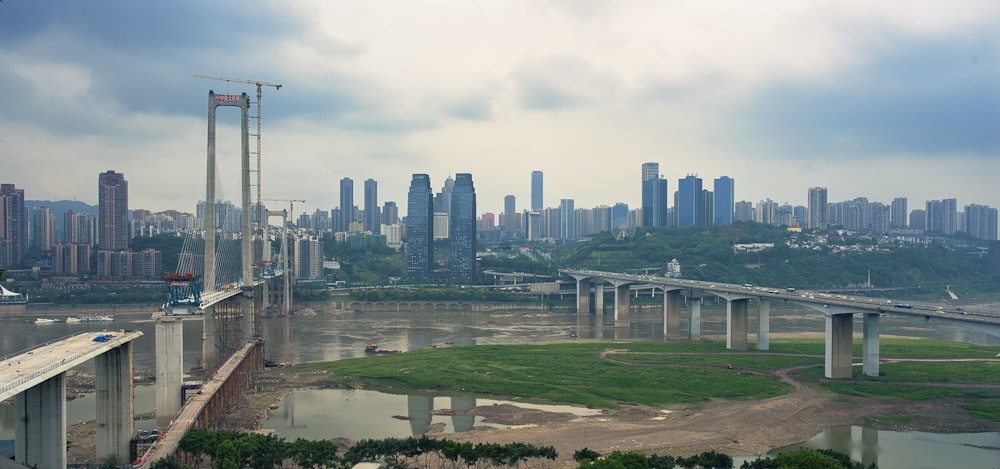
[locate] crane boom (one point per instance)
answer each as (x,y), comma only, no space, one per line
(258,83)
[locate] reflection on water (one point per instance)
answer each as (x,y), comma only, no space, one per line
(908,450)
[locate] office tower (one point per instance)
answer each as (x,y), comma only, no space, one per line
(567,220)
(419,227)
(654,196)
(509,220)
(689,201)
(390,213)
(112,212)
(619,216)
(442,202)
(346,205)
(537,202)
(488,223)
(44,233)
(462,223)
(706,206)
(372,219)
(898,213)
(817,209)
(725,199)
(981,222)
(13,227)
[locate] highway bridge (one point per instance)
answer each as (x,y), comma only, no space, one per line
(838,310)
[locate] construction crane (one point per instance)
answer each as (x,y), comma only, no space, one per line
(259,84)
(284,251)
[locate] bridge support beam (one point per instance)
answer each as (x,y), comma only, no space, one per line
(870,344)
(839,336)
(583,295)
(40,425)
(209,331)
(694,319)
(671,313)
(736,324)
(114,392)
(169,370)
(622,305)
(763,324)
(599,298)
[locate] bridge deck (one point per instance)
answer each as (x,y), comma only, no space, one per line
(31,367)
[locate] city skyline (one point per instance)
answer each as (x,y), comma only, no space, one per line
(876,99)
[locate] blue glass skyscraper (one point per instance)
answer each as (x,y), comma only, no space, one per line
(725,199)
(536,191)
(419,227)
(689,201)
(654,196)
(462,224)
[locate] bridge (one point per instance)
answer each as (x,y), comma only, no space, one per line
(839,311)
(36,379)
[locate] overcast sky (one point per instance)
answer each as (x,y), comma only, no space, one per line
(876,99)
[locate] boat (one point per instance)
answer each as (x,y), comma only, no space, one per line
(91,318)
(373,348)
(45,320)
(8,297)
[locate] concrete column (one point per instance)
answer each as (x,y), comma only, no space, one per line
(599,298)
(736,324)
(169,370)
(113,383)
(763,324)
(583,296)
(694,319)
(622,305)
(209,350)
(247,327)
(839,332)
(870,344)
(671,313)
(40,425)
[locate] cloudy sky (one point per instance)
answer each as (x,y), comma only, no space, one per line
(874,99)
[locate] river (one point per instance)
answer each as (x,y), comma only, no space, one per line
(334,336)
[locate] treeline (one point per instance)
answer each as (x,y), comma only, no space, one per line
(227,449)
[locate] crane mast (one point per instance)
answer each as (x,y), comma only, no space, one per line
(260,204)
(284,252)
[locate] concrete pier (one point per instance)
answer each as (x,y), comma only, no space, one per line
(40,425)
(583,295)
(736,324)
(839,335)
(114,392)
(169,370)
(209,336)
(672,313)
(622,304)
(599,298)
(694,319)
(870,344)
(763,324)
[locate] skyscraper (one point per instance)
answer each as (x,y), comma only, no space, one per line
(462,223)
(13,227)
(44,233)
(112,201)
(372,222)
(419,227)
(346,205)
(654,196)
(690,201)
(816,207)
(510,215)
(537,202)
(390,213)
(725,200)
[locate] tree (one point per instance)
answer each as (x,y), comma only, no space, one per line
(225,456)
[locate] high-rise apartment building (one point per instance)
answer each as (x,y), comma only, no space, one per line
(510,215)
(817,209)
(390,213)
(898,213)
(43,236)
(372,219)
(13,227)
(981,222)
(725,200)
(743,211)
(537,203)
(654,196)
(567,219)
(112,201)
(346,205)
(462,223)
(419,227)
(949,223)
(690,202)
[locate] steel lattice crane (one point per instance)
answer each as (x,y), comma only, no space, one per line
(259,84)
(284,251)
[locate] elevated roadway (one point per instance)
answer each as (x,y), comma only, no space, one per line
(35,378)
(838,310)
